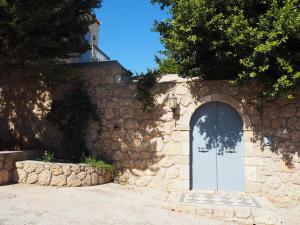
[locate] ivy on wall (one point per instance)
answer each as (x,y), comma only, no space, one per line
(145,89)
(71,116)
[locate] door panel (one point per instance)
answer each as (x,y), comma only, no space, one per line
(217,150)
(230,168)
(204,151)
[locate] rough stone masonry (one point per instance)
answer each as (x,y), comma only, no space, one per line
(7,163)
(153,149)
(60,174)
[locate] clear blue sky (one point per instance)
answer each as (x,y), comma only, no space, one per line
(125,32)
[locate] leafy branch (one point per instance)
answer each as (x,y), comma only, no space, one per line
(145,89)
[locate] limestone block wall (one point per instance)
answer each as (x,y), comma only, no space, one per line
(24,104)
(26,101)
(7,163)
(153,149)
(60,174)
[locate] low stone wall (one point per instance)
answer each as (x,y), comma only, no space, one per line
(7,163)
(60,174)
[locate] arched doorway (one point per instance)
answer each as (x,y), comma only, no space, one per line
(216,141)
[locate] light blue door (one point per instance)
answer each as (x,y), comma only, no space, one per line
(217,148)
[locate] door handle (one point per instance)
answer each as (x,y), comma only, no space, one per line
(230,151)
(203,150)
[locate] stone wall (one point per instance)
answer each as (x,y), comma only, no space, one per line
(153,149)
(60,174)
(7,163)
(24,104)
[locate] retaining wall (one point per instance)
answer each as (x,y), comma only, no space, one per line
(60,174)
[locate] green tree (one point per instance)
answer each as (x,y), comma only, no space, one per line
(166,65)
(35,37)
(37,33)
(235,39)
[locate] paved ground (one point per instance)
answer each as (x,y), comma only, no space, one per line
(109,204)
(112,204)
(239,208)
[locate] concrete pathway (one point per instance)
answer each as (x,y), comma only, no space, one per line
(109,204)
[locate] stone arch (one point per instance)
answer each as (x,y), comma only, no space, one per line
(239,107)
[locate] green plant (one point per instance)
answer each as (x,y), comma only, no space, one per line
(46,157)
(145,88)
(166,65)
(71,116)
(234,39)
(37,33)
(90,160)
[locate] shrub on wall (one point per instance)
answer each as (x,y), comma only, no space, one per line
(71,116)
(145,86)
(100,164)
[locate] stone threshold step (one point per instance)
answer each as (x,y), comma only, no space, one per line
(235,209)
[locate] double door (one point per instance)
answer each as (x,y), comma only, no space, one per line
(217,148)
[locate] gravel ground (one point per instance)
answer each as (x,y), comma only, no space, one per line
(109,204)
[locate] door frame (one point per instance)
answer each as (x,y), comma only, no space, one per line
(247,130)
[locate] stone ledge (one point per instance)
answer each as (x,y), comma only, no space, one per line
(60,174)
(27,153)
(7,163)
(9,152)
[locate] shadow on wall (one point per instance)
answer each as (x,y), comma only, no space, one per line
(130,137)
(275,122)
(280,124)
(219,125)
(24,103)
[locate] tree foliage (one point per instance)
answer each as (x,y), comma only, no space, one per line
(166,65)
(38,32)
(236,39)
